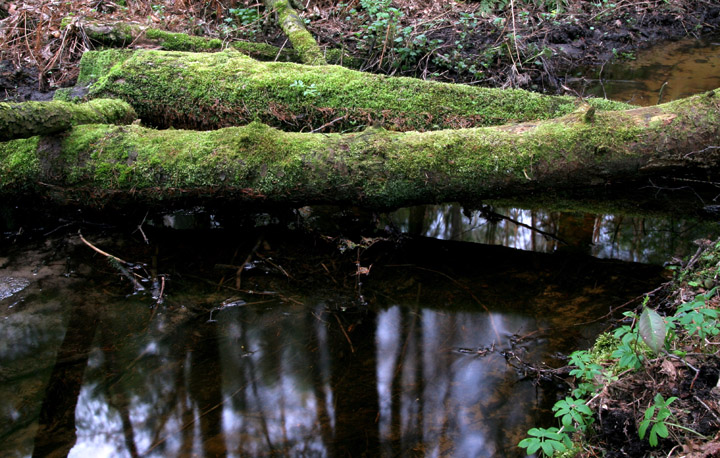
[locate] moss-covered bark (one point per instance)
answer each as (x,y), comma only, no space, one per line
(200,90)
(375,168)
(22,120)
(119,34)
(294,27)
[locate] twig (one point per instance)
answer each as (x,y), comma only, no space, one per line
(117,264)
(280,50)
(246,262)
(352,349)
(706,406)
(328,124)
(139,228)
(278,267)
(486,211)
(107,255)
(660,95)
(162,290)
(515,43)
(330,275)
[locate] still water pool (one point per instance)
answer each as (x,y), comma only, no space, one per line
(270,341)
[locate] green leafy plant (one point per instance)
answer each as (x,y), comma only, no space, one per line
(656,415)
(549,440)
(626,353)
(574,414)
(696,318)
(307,90)
(586,372)
(652,329)
(242,21)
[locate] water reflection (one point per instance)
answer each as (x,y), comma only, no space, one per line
(637,239)
(421,370)
(672,69)
(271,381)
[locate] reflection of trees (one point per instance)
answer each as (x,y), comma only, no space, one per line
(55,434)
(284,379)
(638,239)
(353,381)
(436,400)
(205,386)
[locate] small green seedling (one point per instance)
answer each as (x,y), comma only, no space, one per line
(656,415)
(548,440)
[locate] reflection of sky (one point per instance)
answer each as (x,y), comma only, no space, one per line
(443,391)
(448,401)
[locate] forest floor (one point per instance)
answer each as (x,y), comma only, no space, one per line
(464,42)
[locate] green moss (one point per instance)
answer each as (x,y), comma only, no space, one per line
(19,120)
(302,41)
(19,164)
(376,168)
(66,21)
(228,88)
(63,94)
(183,42)
(95,64)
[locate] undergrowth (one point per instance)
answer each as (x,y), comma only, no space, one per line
(679,340)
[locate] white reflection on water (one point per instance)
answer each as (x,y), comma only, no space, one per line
(450,401)
(634,239)
(434,393)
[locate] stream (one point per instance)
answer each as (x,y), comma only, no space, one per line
(321,331)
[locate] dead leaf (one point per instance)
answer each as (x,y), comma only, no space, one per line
(669,369)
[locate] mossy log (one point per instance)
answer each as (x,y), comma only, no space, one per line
(205,91)
(26,119)
(376,168)
(294,28)
(121,34)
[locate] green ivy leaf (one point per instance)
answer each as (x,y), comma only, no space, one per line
(652,329)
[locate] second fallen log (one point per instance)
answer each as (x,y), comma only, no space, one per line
(26,119)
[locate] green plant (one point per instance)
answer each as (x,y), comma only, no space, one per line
(626,353)
(243,21)
(159,10)
(656,415)
(307,91)
(587,372)
(652,329)
(549,440)
(574,414)
(696,318)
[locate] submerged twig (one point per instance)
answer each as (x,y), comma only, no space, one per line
(342,328)
(116,262)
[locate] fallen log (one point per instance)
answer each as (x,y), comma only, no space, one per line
(122,34)
(294,28)
(207,91)
(96,165)
(23,120)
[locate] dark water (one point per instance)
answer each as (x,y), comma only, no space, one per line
(319,347)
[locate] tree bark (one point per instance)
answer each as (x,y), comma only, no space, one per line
(97,165)
(23,120)
(206,91)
